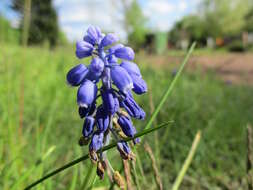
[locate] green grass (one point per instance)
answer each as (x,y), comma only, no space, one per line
(52,127)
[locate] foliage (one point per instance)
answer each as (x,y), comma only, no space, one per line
(62,39)
(216,18)
(249,20)
(7,33)
(236,46)
(225,17)
(190,27)
(135,24)
(43,24)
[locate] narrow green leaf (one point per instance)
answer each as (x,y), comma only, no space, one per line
(86,179)
(31,170)
(74,179)
(187,162)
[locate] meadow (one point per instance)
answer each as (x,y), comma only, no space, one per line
(51,127)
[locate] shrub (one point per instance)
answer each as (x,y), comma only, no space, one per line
(236,46)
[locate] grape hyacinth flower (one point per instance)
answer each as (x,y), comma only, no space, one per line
(111,76)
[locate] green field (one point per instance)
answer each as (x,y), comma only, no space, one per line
(52,127)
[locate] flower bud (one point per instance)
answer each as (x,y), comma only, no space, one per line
(88,126)
(109,39)
(95,69)
(83,112)
(96,141)
(77,74)
(140,85)
(124,53)
(115,47)
(88,39)
(83,49)
(110,101)
(132,108)
(131,68)
(121,79)
(112,59)
(102,119)
(106,78)
(86,93)
(126,126)
(97,65)
(94,33)
(123,149)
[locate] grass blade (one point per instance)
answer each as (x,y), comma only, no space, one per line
(86,179)
(187,162)
(110,146)
(169,90)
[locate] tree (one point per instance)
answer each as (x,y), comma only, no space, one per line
(249,21)
(7,33)
(135,25)
(190,27)
(43,23)
(224,17)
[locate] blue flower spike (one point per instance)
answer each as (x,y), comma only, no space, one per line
(111,76)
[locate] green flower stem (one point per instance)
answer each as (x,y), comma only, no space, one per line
(110,146)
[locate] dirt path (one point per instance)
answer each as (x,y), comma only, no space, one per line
(232,67)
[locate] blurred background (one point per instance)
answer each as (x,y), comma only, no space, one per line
(39,123)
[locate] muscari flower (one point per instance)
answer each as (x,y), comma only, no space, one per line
(110,101)
(88,126)
(86,93)
(111,64)
(76,75)
(121,79)
(132,108)
(139,85)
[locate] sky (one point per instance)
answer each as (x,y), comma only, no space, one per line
(76,15)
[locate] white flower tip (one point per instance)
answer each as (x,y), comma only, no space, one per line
(128,87)
(67,82)
(83,105)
